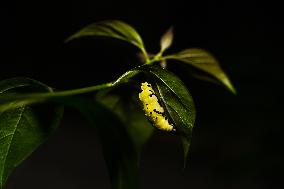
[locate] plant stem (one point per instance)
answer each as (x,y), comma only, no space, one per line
(57,94)
(81,90)
(144,52)
(154,59)
(168,57)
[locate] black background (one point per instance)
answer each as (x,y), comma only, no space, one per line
(237,142)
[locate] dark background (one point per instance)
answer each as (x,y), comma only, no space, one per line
(237,142)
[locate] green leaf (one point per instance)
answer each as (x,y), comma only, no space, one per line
(113,29)
(119,151)
(124,78)
(204,61)
(176,100)
(167,39)
(204,77)
(13,99)
(23,129)
(123,101)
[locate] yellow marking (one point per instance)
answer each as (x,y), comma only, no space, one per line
(154,111)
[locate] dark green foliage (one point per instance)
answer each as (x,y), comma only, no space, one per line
(123,101)
(119,151)
(30,111)
(24,128)
(204,61)
(176,100)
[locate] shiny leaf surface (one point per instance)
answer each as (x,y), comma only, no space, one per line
(176,100)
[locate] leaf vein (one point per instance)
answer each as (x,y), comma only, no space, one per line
(6,136)
(9,148)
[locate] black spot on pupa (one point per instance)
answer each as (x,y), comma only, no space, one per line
(158,112)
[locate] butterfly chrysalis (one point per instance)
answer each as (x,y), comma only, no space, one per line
(154,111)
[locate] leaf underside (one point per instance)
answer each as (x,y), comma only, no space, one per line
(206,62)
(113,29)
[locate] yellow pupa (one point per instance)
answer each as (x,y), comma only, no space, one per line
(154,111)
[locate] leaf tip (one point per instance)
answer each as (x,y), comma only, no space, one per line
(233,90)
(226,81)
(70,38)
(186,144)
